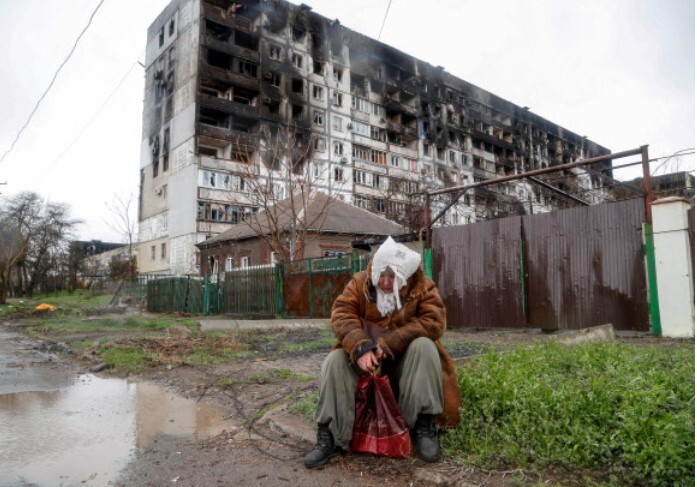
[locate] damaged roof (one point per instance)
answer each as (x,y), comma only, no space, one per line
(324,214)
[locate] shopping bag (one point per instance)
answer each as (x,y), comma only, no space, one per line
(379,427)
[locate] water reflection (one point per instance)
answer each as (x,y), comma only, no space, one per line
(86,433)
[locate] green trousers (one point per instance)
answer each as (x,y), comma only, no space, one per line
(420,388)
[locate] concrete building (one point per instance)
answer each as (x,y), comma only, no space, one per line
(224,77)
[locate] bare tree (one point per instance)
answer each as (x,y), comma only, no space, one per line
(125,223)
(282,184)
(12,249)
(43,230)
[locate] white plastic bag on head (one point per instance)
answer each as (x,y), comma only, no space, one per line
(401,259)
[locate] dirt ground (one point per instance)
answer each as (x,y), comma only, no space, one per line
(253,452)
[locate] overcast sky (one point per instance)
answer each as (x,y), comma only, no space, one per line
(621,72)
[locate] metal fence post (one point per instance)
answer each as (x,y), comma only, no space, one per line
(206,296)
(278,286)
(652,282)
(428,263)
(309,286)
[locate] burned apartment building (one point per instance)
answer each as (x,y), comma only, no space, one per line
(369,124)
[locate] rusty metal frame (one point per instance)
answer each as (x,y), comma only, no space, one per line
(461,190)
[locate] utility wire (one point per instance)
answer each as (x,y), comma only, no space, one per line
(96,114)
(36,107)
(384,19)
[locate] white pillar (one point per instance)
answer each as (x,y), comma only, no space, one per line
(673,267)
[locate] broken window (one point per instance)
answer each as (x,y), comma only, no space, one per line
(318,67)
(320,144)
(318,118)
(219,59)
(246,41)
(377,133)
(337,99)
(165,151)
(297,85)
(338,148)
(240,155)
(297,112)
(338,173)
(275,52)
(275,79)
(337,123)
(298,34)
(207,151)
(161,37)
(317,92)
(337,74)
(171,27)
(246,68)
(440,153)
(451,157)
(297,60)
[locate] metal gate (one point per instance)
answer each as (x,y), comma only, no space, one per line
(568,269)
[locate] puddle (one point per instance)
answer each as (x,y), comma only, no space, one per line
(87,432)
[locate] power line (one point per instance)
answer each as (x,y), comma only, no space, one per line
(96,114)
(384,19)
(36,107)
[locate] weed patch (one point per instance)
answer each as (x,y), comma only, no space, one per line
(622,409)
(306,406)
(125,358)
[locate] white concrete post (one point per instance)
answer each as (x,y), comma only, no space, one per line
(673,267)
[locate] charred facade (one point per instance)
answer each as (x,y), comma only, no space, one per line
(223,76)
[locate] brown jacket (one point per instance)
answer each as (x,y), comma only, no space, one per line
(422,315)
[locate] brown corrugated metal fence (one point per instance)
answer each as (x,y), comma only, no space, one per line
(582,267)
(477,268)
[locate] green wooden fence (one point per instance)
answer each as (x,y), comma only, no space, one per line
(305,288)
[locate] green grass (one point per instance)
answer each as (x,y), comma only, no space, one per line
(306,406)
(66,324)
(124,358)
(627,411)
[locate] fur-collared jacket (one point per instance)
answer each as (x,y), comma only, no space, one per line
(355,319)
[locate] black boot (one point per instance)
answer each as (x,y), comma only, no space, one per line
(324,450)
(427,438)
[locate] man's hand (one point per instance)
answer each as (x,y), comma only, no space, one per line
(368,361)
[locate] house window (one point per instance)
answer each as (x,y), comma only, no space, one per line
(244,262)
(334,254)
(318,169)
(228,264)
(318,67)
(274,257)
(318,118)
(338,148)
(274,52)
(337,123)
(360,128)
(451,157)
(394,160)
(171,27)
(161,38)
(337,99)
(275,80)
(297,85)
(320,144)
(153,252)
(338,174)
(163,251)
(317,92)
(337,74)
(297,60)
(246,68)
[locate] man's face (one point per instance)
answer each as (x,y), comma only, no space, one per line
(386,282)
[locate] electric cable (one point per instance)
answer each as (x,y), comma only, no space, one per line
(384,18)
(55,75)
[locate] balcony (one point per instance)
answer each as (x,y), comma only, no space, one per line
(220,133)
(229,48)
(226,105)
(212,72)
(236,21)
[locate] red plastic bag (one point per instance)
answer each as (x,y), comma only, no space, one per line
(379,427)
